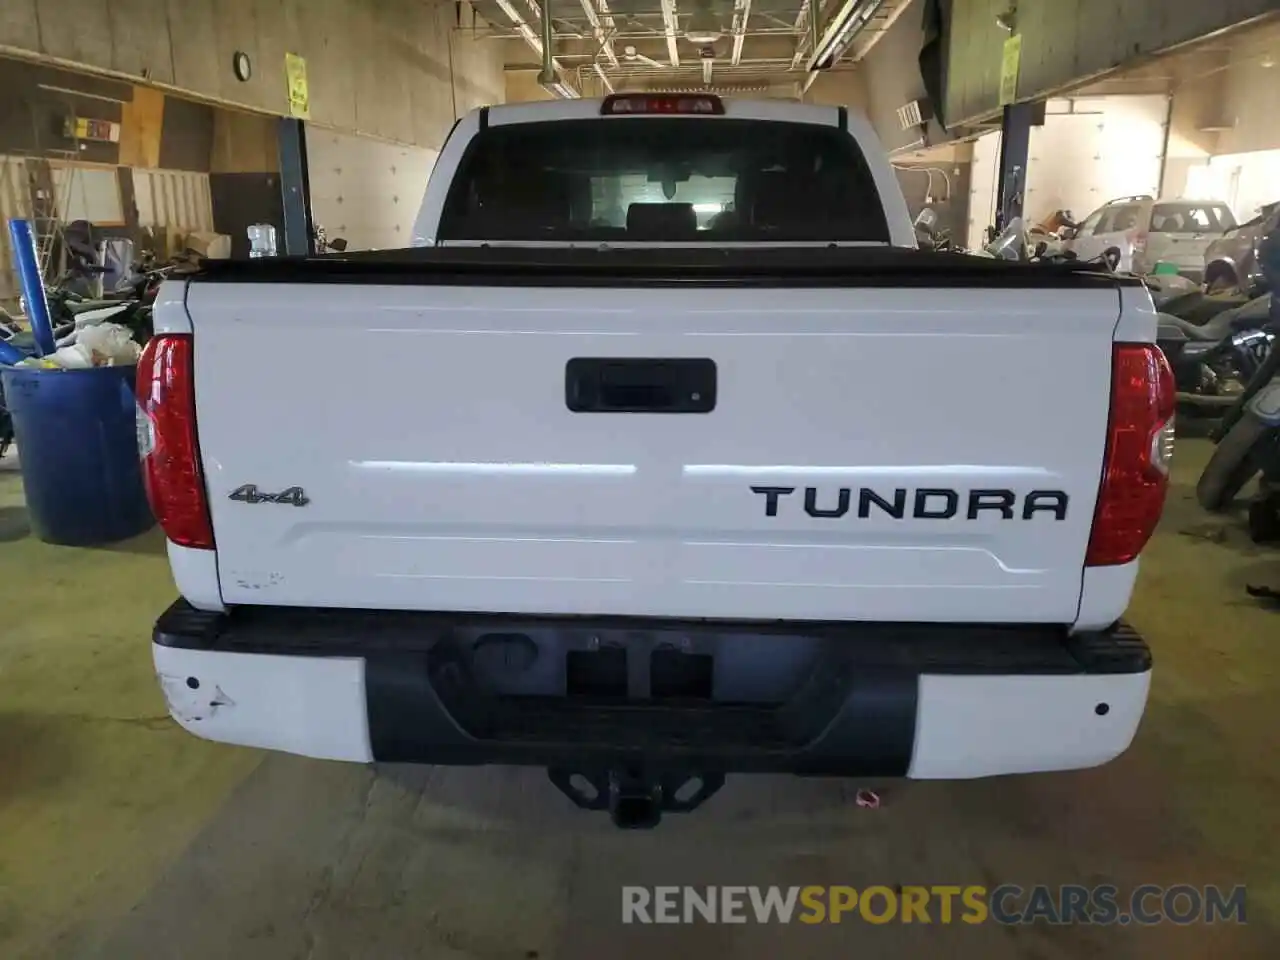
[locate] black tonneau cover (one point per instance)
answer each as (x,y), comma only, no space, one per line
(870,266)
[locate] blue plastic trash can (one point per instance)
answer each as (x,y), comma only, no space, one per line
(76,433)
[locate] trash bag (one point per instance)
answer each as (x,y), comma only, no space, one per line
(111,341)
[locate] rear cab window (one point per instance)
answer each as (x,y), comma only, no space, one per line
(663,179)
(1191,217)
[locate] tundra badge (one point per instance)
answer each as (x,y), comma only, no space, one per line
(249,493)
(935,503)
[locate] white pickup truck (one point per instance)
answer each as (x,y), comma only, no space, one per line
(663,455)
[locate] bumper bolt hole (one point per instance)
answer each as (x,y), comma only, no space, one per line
(1102,709)
(193,683)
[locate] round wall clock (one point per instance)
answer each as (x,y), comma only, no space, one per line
(242,66)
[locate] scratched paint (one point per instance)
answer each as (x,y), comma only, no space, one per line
(191,705)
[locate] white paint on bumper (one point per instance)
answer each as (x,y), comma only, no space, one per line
(982,726)
(311,706)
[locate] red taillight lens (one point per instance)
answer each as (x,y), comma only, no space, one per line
(1135,472)
(167,441)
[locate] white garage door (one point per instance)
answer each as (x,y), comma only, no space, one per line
(1090,151)
(982,188)
(366,191)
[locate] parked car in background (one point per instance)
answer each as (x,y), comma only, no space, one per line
(1136,233)
(1231,261)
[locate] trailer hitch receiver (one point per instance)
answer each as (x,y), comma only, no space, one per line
(636,799)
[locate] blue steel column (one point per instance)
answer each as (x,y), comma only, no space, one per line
(27,262)
(1015,141)
(295,188)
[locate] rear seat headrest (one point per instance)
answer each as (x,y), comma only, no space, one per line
(779,201)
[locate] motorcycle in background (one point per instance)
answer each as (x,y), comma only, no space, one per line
(1053,231)
(1014,243)
(1248,438)
(322,244)
(929,236)
(1214,361)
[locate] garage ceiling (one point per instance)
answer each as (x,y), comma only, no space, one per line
(719,45)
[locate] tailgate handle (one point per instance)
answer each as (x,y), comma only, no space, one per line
(634,385)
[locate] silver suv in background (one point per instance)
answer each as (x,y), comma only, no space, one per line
(1231,261)
(1136,233)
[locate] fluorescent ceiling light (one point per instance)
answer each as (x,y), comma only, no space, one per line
(846,25)
(561,90)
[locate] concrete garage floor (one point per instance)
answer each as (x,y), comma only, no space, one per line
(121,836)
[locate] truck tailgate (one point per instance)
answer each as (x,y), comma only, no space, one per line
(941,449)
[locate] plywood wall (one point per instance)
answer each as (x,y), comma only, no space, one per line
(244,143)
(141,126)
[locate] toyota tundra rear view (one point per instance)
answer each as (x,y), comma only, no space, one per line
(664,455)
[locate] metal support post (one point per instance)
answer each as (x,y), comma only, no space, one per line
(1015,141)
(295,188)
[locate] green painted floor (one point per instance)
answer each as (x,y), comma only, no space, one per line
(122,836)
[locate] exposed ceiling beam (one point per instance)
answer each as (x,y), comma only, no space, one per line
(741,14)
(572,53)
(604,77)
(671,27)
(531,38)
(802,21)
(634,33)
(527,33)
(875,32)
(601,27)
(570,50)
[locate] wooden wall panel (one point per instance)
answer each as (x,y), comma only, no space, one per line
(80,31)
(36,100)
(273,43)
(236,28)
(433,102)
(362,55)
(141,128)
(323,30)
(244,143)
(18,24)
(140,39)
(198,63)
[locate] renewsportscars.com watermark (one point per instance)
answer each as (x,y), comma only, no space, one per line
(1007,904)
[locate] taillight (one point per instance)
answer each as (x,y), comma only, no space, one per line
(703,104)
(167,441)
(1135,472)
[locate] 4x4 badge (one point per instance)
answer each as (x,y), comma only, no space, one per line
(249,493)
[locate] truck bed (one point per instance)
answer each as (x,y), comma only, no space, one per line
(889,436)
